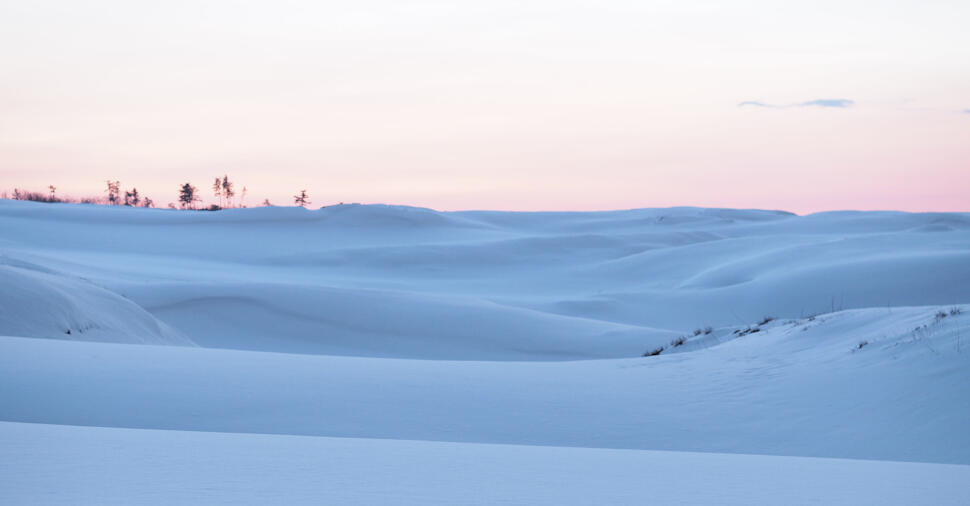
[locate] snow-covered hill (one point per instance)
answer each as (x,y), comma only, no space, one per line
(864,384)
(40,302)
(408,282)
(841,335)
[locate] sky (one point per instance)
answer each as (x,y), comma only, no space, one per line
(519,105)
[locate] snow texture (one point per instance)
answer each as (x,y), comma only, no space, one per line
(51,464)
(268,339)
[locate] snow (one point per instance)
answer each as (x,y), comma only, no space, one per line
(668,269)
(401,340)
(781,391)
(51,464)
(39,302)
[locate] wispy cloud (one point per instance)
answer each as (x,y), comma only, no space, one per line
(838,103)
(966,111)
(828,102)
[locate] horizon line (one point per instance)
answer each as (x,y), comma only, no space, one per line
(472,210)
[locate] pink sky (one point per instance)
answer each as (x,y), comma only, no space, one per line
(462,105)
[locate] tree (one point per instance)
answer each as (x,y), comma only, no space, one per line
(187,196)
(266,202)
(301,199)
(217,189)
(148,203)
(227,190)
(114,192)
(131,198)
(52,189)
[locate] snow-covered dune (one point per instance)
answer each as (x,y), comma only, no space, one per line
(300,318)
(372,280)
(38,302)
(871,384)
(837,335)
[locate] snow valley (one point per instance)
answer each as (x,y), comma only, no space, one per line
(386,354)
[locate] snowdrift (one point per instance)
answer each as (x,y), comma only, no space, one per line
(300,344)
(383,323)
(395,281)
(870,384)
(38,302)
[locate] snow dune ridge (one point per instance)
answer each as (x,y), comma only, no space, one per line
(245,344)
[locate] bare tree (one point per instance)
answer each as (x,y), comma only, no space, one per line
(301,199)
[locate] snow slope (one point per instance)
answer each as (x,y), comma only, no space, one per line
(49,464)
(446,328)
(337,280)
(800,388)
(40,302)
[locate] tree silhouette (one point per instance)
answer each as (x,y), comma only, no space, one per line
(301,199)
(217,189)
(227,190)
(187,196)
(131,198)
(52,189)
(114,192)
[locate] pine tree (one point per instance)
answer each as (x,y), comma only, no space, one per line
(217,189)
(227,190)
(114,192)
(301,199)
(52,189)
(187,196)
(131,198)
